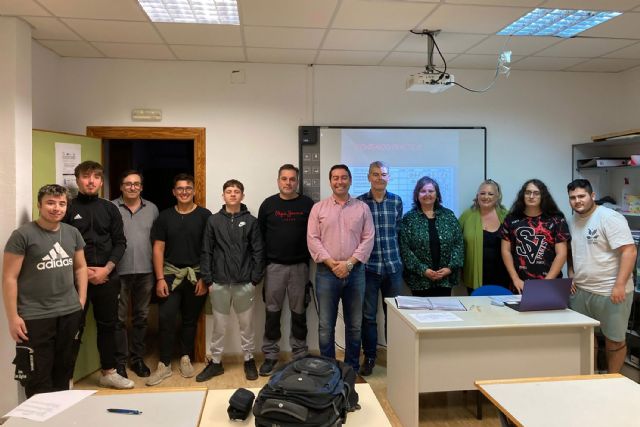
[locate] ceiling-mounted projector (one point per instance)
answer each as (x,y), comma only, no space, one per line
(432,82)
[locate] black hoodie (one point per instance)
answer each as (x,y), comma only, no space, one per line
(100,224)
(232,249)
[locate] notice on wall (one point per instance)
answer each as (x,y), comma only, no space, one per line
(67,158)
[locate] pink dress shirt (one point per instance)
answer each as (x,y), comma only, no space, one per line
(340,231)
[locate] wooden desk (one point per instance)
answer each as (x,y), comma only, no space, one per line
(489,343)
(215,410)
(574,401)
(170,407)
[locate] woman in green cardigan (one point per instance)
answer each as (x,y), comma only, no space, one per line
(480,229)
(430,243)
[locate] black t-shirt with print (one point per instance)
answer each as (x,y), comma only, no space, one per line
(533,241)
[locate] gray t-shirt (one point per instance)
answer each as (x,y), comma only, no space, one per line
(46,281)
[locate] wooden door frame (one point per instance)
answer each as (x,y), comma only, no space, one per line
(198,135)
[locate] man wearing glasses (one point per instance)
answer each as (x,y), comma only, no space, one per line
(136,273)
(177,246)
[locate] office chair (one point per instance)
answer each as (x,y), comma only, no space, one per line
(490,290)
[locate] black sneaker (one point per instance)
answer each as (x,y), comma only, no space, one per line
(121,369)
(210,371)
(250,370)
(140,368)
(367,367)
(268,367)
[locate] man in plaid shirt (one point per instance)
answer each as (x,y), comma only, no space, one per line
(383,271)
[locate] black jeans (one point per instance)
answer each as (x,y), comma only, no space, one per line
(184,301)
(134,288)
(104,299)
(51,340)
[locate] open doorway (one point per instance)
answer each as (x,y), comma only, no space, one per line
(159,160)
(160,153)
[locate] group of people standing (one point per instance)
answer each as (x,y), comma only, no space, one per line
(116,254)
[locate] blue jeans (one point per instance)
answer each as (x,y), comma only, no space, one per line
(329,291)
(390,285)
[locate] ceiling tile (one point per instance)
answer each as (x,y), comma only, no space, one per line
(362,39)
(125,10)
(287,13)
(135,51)
(22,7)
(50,28)
(447,42)
(473,19)
(619,5)
(77,49)
(517,3)
(519,45)
(409,59)
(584,47)
(282,37)
(114,31)
(624,26)
(281,56)
(201,34)
(380,15)
(545,63)
(347,57)
(630,52)
(606,65)
(484,62)
(208,53)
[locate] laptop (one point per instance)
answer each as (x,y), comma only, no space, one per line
(543,294)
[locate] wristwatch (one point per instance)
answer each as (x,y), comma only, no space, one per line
(349,266)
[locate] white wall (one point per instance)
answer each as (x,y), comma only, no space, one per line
(15,153)
(532,117)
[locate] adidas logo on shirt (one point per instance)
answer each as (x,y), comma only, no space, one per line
(57,258)
(77,216)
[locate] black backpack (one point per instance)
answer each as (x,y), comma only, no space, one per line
(311,391)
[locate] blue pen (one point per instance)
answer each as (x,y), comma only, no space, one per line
(124,411)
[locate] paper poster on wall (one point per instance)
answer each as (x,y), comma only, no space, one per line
(67,158)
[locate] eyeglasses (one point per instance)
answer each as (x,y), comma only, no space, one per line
(529,193)
(132,184)
(183,189)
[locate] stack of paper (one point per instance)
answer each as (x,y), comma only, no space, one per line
(421,303)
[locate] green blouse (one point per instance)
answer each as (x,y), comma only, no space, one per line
(416,253)
(471,224)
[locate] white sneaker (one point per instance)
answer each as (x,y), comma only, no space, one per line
(113,380)
(159,374)
(186,368)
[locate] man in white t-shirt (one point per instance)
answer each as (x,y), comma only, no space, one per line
(603,257)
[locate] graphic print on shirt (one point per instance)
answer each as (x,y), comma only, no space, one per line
(530,244)
(289,215)
(592,236)
(56,258)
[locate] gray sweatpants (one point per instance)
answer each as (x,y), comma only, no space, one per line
(241,297)
(281,279)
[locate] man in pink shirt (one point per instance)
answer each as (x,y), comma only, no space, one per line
(340,237)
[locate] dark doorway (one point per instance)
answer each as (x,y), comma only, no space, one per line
(159,160)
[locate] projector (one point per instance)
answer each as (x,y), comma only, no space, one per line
(432,82)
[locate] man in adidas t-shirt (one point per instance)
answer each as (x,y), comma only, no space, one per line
(42,303)
(100,224)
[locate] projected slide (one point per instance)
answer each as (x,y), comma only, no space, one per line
(454,157)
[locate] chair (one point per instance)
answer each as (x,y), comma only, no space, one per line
(490,290)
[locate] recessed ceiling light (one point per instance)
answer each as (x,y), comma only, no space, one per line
(556,22)
(192,11)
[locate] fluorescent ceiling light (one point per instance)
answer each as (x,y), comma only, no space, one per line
(192,11)
(556,22)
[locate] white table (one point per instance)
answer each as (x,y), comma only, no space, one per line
(489,343)
(577,401)
(370,414)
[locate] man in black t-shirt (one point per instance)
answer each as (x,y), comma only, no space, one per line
(177,246)
(283,221)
